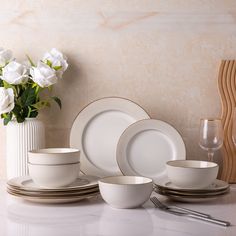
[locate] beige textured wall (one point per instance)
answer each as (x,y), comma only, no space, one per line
(162,54)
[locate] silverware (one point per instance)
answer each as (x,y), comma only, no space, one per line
(166,207)
(179,212)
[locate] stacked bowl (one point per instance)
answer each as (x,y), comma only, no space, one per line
(54,167)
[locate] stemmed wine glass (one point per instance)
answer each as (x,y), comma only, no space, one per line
(211,136)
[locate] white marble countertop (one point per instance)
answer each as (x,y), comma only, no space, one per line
(94,217)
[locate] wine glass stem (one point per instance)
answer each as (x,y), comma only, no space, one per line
(210,156)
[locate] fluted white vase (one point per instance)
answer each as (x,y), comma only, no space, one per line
(22,137)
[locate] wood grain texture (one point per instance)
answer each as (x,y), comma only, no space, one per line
(227,90)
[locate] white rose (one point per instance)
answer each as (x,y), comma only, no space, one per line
(57,59)
(43,75)
(15,73)
(5,56)
(6,100)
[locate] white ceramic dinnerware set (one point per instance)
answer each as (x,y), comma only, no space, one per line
(54,178)
(117,138)
(191,181)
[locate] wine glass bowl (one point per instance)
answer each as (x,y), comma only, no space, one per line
(211,136)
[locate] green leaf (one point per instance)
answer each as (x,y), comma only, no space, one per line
(49,63)
(33,114)
(57,67)
(5,121)
(41,104)
(8,118)
(57,100)
(1,83)
(34,85)
(7,85)
(30,60)
(4,115)
(20,119)
(16,110)
(24,112)
(28,97)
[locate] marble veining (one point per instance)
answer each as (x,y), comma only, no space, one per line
(162,54)
(94,217)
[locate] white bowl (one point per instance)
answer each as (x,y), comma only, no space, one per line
(54,156)
(125,191)
(54,176)
(192,174)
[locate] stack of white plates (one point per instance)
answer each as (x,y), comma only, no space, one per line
(84,187)
(216,189)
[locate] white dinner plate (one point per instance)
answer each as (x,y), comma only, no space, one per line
(194,198)
(97,129)
(27,184)
(54,200)
(217,185)
(53,194)
(146,146)
(192,194)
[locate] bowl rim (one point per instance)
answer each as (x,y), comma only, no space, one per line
(171,163)
(211,119)
(103,180)
(46,151)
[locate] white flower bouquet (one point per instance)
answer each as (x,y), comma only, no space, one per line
(21,84)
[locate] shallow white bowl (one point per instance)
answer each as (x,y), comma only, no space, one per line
(125,191)
(54,176)
(192,174)
(54,156)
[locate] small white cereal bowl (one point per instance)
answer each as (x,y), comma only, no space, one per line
(54,176)
(192,174)
(54,156)
(125,191)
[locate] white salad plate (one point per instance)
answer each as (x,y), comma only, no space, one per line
(217,185)
(97,129)
(26,183)
(145,147)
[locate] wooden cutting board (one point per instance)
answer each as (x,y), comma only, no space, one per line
(227,90)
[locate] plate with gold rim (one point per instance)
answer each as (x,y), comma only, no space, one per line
(194,198)
(27,184)
(58,193)
(145,147)
(192,194)
(166,184)
(97,129)
(54,200)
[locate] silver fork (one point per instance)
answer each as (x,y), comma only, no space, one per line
(198,217)
(166,207)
